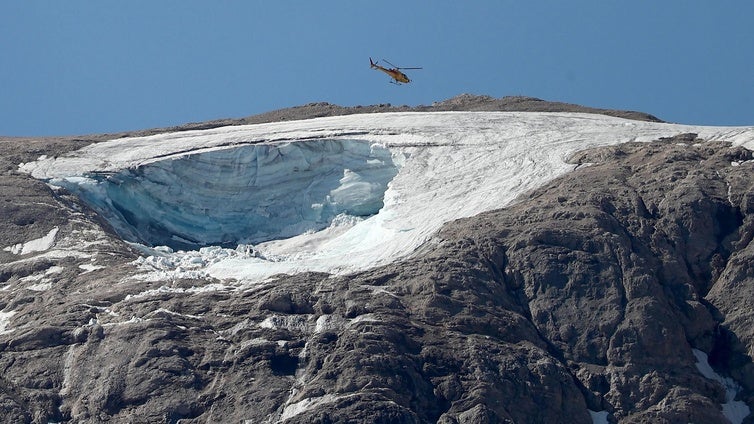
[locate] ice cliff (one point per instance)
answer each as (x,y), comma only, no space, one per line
(248,194)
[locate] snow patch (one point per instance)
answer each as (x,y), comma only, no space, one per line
(303,323)
(90,268)
(40,287)
(598,417)
(132,320)
(734,410)
(329,323)
(179,290)
(42,282)
(5,320)
(288,322)
(178,314)
(369,317)
(37,245)
(55,269)
(302,406)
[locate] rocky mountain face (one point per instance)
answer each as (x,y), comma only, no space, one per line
(588,294)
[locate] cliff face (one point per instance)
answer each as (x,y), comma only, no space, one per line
(588,294)
(618,265)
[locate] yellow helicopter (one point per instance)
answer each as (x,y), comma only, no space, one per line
(394,72)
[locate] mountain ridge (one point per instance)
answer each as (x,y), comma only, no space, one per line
(461,102)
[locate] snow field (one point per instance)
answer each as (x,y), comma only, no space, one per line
(374,187)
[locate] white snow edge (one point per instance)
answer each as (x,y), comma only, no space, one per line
(734,410)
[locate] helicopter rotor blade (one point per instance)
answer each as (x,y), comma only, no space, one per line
(397,67)
(390,63)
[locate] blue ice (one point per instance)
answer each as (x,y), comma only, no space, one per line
(247,194)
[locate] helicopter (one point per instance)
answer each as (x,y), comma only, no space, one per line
(394,72)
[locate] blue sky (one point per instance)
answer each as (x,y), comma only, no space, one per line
(78,67)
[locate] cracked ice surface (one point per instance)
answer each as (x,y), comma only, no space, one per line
(336,194)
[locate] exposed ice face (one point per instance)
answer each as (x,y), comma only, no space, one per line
(244,194)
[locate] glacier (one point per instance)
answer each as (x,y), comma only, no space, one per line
(337,194)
